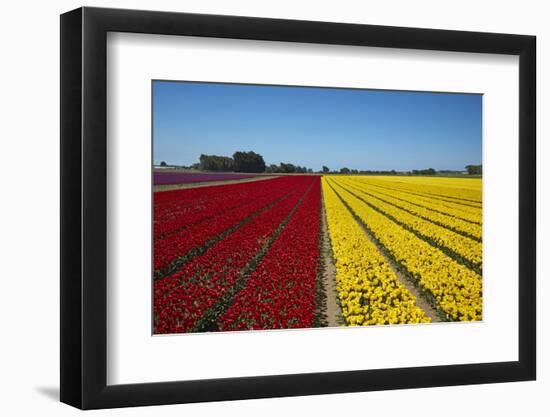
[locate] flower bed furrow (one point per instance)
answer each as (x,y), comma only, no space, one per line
(281,292)
(183,297)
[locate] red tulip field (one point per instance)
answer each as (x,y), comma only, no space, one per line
(236,256)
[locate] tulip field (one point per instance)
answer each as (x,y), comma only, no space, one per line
(251,255)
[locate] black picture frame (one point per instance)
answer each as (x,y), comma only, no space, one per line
(84,207)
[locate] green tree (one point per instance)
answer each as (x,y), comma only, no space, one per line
(287,168)
(429,171)
(163,164)
(474,169)
(326,169)
(248,162)
(215,163)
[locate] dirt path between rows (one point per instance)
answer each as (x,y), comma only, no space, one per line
(169,187)
(333,313)
(420,300)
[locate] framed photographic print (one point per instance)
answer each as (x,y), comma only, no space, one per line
(257,207)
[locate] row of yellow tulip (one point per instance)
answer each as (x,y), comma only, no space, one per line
(455,215)
(368,289)
(466,197)
(456,288)
(472,184)
(464,247)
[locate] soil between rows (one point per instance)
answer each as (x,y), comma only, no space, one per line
(333,313)
(420,300)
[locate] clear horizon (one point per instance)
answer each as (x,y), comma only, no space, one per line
(314,126)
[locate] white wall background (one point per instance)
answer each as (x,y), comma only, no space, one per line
(29,225)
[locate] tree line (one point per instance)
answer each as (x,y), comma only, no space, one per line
(254,163)
(470,169)
(240,162)
(247,162)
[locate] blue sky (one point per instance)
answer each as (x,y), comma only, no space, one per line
(358,129)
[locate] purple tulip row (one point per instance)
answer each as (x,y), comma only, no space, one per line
(169,178)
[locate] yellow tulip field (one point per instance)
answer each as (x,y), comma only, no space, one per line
(405,249)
